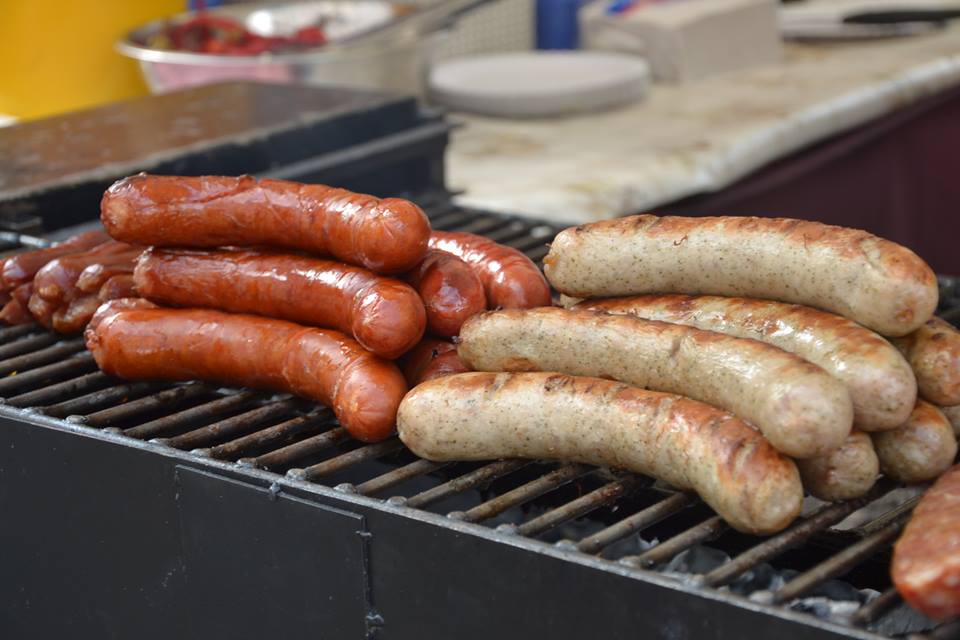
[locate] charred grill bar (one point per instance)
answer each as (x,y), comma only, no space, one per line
(238,491)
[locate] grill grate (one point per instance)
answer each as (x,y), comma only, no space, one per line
(624,519)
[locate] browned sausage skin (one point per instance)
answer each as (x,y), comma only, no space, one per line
(450,290)
(363,390)
(510,279)
(384,235)
(920,449)
(385,315)
(56,282)
(845,473)
(933,351)
(21,268)
(431,359)
(926,559)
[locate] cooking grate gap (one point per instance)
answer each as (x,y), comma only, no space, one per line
(17,382)
(183,419)
(26,344)
(60,391)
(148,406)
(16,331)
(233,426)
(29,361)
(273,437)
(94,400)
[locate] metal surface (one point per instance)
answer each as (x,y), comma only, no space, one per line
(259,513)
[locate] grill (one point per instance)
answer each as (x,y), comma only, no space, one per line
(235,512)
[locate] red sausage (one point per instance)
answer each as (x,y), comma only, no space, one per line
(14,312)
(363,390)
(21,268)
(121,286)
(926,559)
(386,236)
(74,316)
(451,291)
(56,282)
(510,279)
(431,359)
(95,275)
(385,315)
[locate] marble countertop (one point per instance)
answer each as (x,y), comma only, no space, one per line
(696,138)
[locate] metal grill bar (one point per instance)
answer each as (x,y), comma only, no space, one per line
(395,477)
(43,356)
(90,401)
(14,332)
(208,410)
(27,344)
(778,544)
(283,432)
(838,564)
(581,506)
(524,493)
(341,462)
(876,607)
(286,455)
(46,395)
(230,427)
(45,374)
(706,530)
(475,478)
(143,405)
(637,522)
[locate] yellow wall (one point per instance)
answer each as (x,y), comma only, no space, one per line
(57,55)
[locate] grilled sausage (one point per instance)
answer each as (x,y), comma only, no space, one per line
(933,351)
(511,280)
(5,297)
(93,277)
(481,416)
(952,414)
(121,286)
(42,310)
(163,344)
(801,409)
(921,449)
(56,281)
(21,268)
(875,282)
(431,359)
(926,558)
(451,291)
(385,315)
(386,236)
(881,383)
(74,316)
(843,474)
(14,312)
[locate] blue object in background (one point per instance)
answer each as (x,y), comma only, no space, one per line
(193,5)
(557,26)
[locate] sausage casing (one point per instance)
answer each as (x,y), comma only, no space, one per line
(920,449)
(952,414)
(384,315)
(933,351)
(482,416)
(801,409)
(166,344)
(21,268)
(926,558)
(875,282)
(56,281)
(843,474)
(384,235)
(450,290)
(880,381)
(431,359)
(511,280)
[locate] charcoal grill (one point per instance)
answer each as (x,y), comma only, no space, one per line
(182,510)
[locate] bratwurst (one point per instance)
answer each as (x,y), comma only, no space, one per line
(326,366)
(482,416)
(386,236)
(920,449)
(933,351)
(384,315)
(801,409)
(875,282)
(881,384)
(843,474)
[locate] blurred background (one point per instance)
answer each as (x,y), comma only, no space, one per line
(846,111)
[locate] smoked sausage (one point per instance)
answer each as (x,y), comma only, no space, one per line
(690,445)
(872,281)
(21,268)
(450,290)
(384,235)
(431,359)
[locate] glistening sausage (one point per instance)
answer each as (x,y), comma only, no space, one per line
(56,282)
(843,474)
(73,316)
(881,383)
(450,290)
(14,312)
(933,351)
(801,409)
(385,315)
(163,344)
(510,279)
(482,416)
(21,268)
(431,359)
(952,414)
(921,449)
(95,275)
(926,558)
(875,282)
(121,286)
(384,235)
